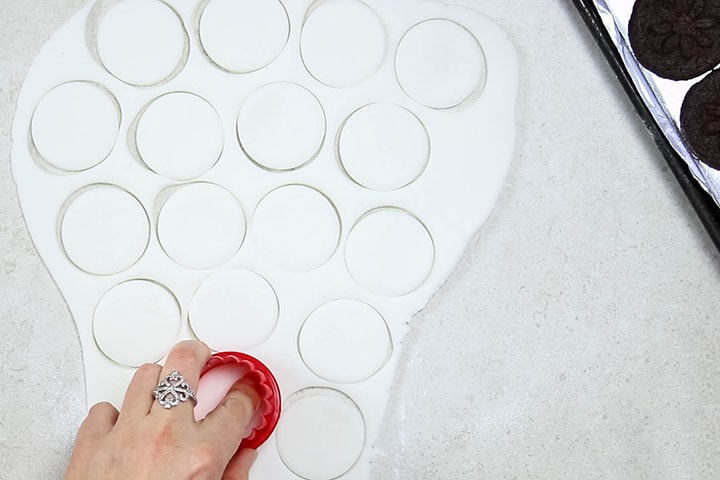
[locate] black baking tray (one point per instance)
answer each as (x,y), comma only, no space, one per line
(703,204)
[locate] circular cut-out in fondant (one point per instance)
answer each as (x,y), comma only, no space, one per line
(345,341)
(383,147)
(242,36)
(201,225)
(234,310)
(440,64)
(296,227)
(281,126)
(104,229)
(389,252)
(343,42)
(136,322)
(179,136)
(141,42)
(321,434)
(75,125)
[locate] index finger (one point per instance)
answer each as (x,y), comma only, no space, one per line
(187,358)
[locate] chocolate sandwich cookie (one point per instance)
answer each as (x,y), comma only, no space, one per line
(676,39)
(700,119)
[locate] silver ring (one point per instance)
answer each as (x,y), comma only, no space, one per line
(172,390)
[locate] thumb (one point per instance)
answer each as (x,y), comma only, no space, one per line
(239,466)
(228,423)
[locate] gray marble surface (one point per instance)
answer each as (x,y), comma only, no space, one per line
(578,338)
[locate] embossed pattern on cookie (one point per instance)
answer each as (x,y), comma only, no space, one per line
(700,119)
(676,39)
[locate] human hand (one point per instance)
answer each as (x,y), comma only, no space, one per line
(145,441)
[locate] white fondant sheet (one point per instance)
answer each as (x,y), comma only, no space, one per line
(290,179)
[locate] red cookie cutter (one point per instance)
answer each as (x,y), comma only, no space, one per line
(268,412)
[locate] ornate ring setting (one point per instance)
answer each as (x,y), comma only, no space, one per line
(173,390)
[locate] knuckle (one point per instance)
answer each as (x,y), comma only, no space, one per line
(101,409)
(182,356)
(204,460)
(194,345)
(166,433)
(148,370)
(162,441)
(187,352)
(187,343)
